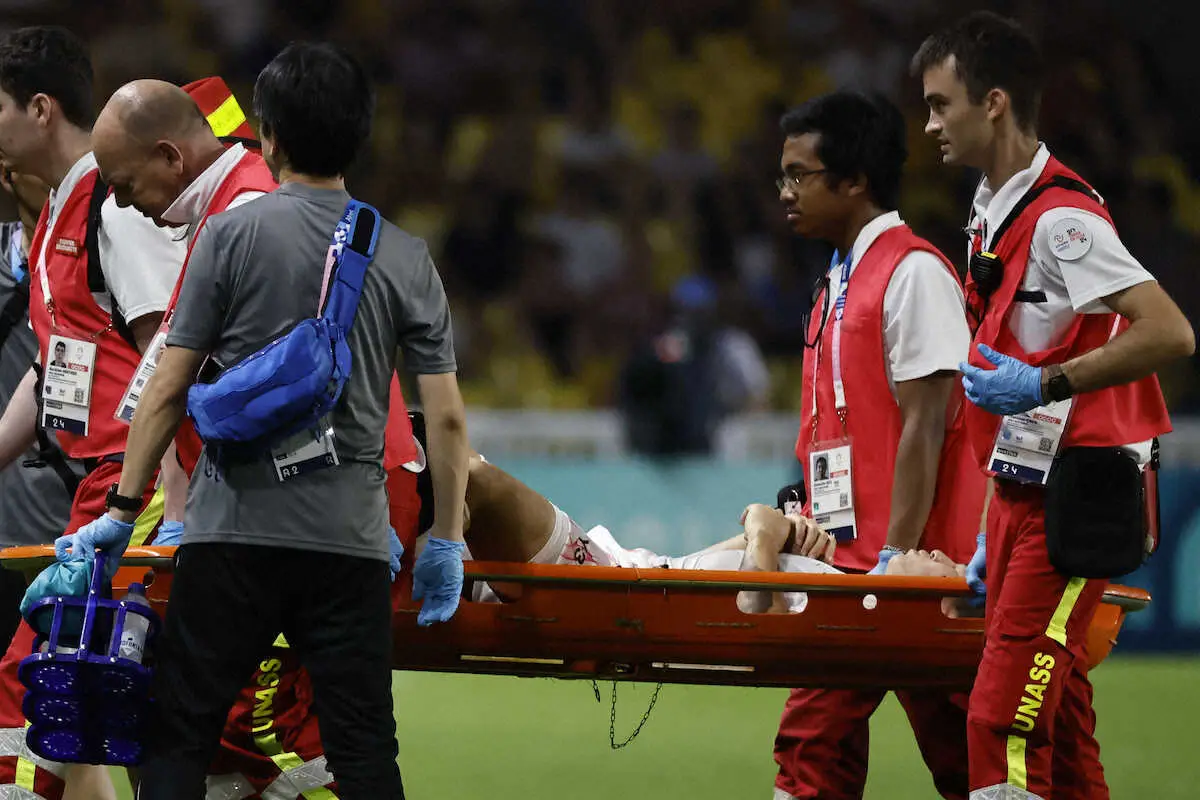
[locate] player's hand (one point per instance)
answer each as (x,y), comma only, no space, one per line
(396,548)
(1012,387)
(170,533)
(811,540)
(976,574)
(766,526)
(438,580)
(106,533)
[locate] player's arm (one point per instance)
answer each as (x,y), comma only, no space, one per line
(18,426)
(923,405)
(1158,334)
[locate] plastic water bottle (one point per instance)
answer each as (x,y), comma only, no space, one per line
(133,635)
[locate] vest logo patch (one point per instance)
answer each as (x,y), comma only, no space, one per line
(1070,239)
(66,247)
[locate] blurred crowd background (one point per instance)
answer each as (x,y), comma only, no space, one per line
(596,178)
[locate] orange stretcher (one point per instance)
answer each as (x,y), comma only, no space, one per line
(681,626)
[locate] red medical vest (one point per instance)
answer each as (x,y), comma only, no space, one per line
(873,421)
(73,312)
(1120,415)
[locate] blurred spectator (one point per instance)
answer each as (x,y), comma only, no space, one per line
(678,386)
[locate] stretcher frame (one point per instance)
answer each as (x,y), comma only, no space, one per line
(681,626)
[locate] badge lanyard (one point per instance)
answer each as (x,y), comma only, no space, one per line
(42,267)
(839,311)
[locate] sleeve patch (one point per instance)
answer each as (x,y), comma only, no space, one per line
(1070,239)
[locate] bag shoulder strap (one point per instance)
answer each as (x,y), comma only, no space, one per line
(354,241)
(1056,182)
(96,282)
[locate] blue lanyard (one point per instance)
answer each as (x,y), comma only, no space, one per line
(16,256)
(839,306)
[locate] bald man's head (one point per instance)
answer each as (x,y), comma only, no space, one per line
(151,141)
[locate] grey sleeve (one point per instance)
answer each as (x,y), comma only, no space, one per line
(205,294)
(423,327)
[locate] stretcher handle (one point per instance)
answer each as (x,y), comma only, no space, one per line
(724,580)
(39,556)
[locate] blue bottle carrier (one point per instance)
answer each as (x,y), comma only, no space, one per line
(84,703)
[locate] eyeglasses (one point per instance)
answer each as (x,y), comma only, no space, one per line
(792,182)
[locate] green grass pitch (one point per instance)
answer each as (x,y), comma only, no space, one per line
(468,737)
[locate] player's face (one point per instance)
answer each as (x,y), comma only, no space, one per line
(21,138)
(962,128)
(814,210)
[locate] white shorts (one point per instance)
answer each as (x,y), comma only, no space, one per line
(570,544)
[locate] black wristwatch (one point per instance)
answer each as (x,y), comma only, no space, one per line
(121,502)
(1058,385)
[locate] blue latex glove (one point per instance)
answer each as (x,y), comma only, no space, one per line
(106,533)
(65,579)
(1012,387)
(977,568)
(170,533)
(397,553)
(884,557)
(438,580)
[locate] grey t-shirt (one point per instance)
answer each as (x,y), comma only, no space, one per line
(34,504)
(255,272)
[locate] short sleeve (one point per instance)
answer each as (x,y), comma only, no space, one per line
(205,295)
(423,325)
(1091,257)
(140,260)
(924,319)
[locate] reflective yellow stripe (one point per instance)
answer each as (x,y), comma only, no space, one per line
(1057,629)
(26,772)
(148,520)
(269,744)
(227,117)
(1017,776)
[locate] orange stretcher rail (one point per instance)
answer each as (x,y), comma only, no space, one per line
(682,626)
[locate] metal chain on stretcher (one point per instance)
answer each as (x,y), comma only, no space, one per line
(612,716)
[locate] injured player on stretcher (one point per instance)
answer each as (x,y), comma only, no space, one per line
(508,521)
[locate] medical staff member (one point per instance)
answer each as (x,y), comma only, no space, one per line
(881,436)
(1071,329)
(265,549)
(100,279)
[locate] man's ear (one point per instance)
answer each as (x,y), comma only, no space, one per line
(43,108)
(857,186)
(171,154)
(995,103)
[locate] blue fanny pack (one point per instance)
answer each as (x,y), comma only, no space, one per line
(293,382)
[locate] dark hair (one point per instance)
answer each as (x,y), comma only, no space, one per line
(48,60)
(859,135)
(990,52)
(316,101)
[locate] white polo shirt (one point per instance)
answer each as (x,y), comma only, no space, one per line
(1076,259)
(140,260)
(924,312)
(193,201)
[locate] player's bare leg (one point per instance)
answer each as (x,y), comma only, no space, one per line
(508,520)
